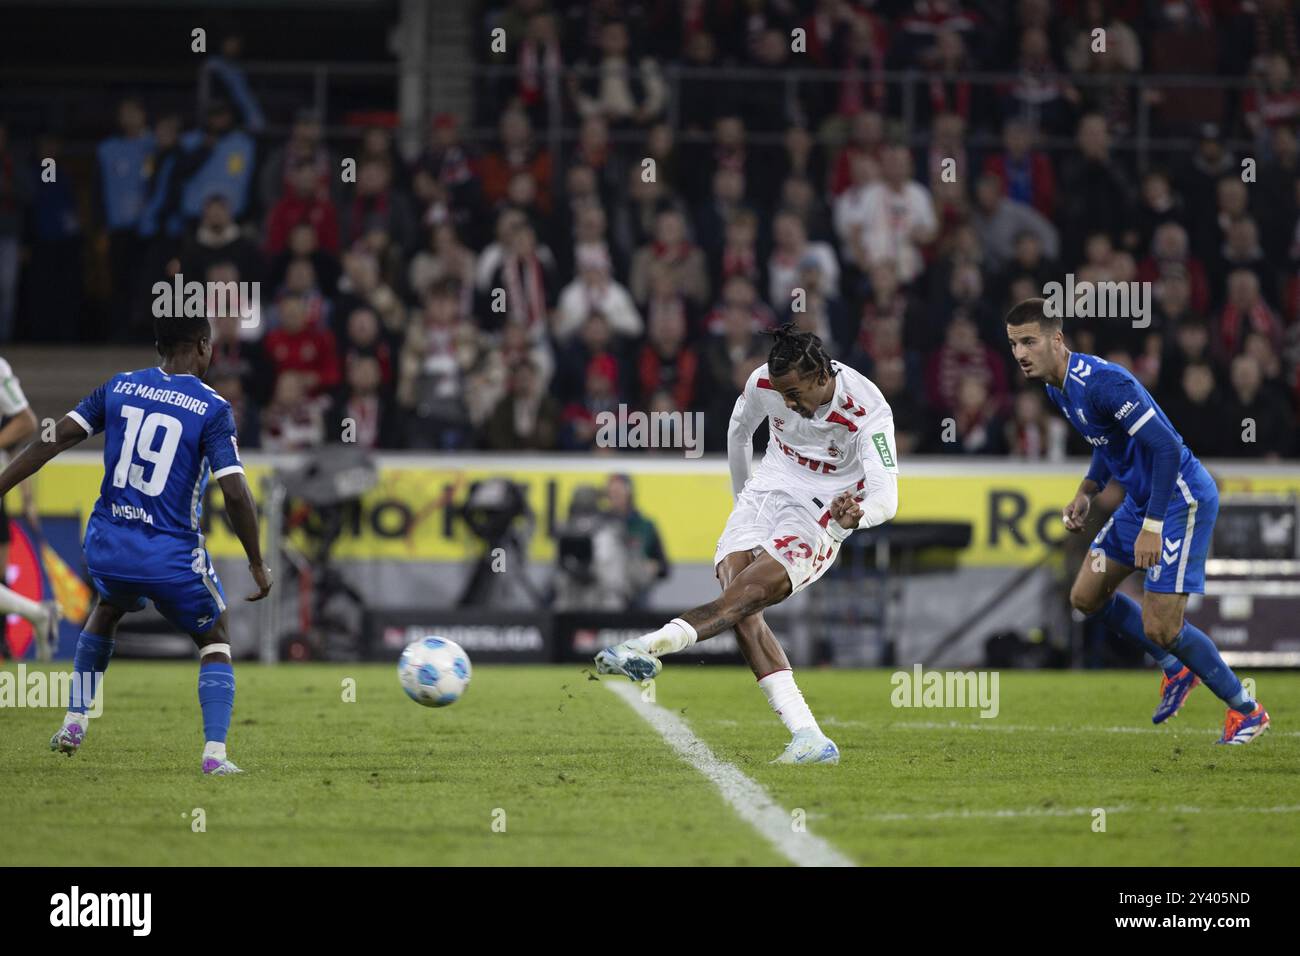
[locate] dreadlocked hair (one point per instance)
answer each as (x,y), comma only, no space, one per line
(798,352)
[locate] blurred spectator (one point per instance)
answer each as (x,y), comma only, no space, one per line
(528,277)
(305,145)
(445,258)
(361,284)
(1025,173)
(1033,432)
(309,349)
(439,347)
(595,290)
(1002,221)
(1094,190)
(450,165)
(304,202)
(218,238)
(792,253)
(964,358)
(375,204)
(1171,254)
(600,394)
(979,429)
(302,245)
(239,359)
(666,362)
(124,168)
(516,153)
(673,251)
(1198,413)
(362,413)
(896,219)
(540,62)
(866,139)
(364,341)
(295,419)
(218,159)
(1261,425)
(616,90)
(1245,312)
(647,560)
(527,418)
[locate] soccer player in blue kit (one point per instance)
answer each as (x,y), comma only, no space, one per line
(164,432)
(1163,527)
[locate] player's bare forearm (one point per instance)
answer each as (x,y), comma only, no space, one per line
(242,511)
(34,457)
(19,428)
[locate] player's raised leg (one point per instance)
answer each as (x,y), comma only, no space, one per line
(1094,594)
(216,697)
(89,662)
(760,584)
(771,667)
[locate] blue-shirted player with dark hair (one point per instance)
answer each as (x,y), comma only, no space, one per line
(1163,527)
(165,433)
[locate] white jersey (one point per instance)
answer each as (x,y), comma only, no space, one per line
(12,400)
(847,445)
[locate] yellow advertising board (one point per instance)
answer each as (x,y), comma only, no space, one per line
(1014,510)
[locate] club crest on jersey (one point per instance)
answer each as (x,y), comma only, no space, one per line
(833,450)
(778,423)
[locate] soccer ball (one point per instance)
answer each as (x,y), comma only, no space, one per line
(434,671)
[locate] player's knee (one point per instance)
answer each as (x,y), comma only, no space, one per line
(1161,631)
(1086,600)
(750,597)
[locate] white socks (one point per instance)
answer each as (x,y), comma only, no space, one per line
(787,700)
(217,751)
(71,717)
(13,603)
(674,636)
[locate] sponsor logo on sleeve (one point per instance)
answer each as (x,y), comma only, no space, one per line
(882,448)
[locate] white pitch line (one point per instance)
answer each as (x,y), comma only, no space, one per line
(750,801)
(1029,728)
(1066,812)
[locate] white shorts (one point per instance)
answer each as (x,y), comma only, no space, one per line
(783,528)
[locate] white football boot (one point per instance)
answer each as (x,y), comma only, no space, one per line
(810,746)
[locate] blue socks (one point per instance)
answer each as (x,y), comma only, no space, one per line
(1123,615)
(217,699)
(90,660)
(1196,649)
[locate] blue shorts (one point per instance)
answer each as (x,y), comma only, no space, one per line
(193,604)
(1188,530)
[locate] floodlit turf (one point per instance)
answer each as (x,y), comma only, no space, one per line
(577,777)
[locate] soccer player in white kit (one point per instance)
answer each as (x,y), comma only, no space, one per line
(830,468)
(20,425)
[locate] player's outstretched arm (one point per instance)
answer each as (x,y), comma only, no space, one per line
(33,458)
(242,511)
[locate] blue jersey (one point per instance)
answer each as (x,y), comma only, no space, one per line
(164,435)
(1109,407)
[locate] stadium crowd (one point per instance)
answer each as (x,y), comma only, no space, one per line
(500,295)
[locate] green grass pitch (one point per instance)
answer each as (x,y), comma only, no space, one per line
(570,774)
